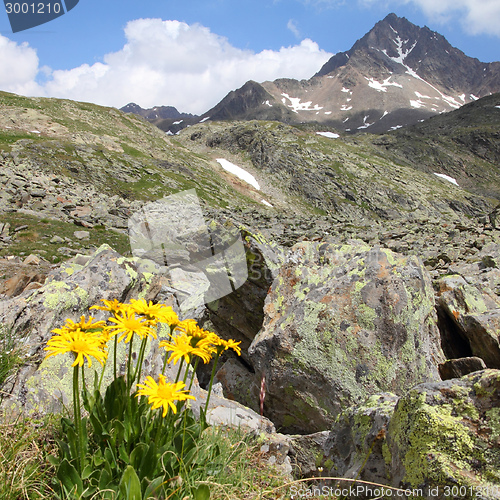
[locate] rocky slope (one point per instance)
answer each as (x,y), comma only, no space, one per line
(365,272)
(81,164)
(464,144)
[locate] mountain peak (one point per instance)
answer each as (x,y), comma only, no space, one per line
(389,36)
(397,74)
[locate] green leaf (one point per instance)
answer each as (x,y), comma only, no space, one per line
(150,463)
(153,488)
(115,399)
(69,477)
(104,480)
(201,493)
(137,455)
(123,454)
(87,471)
(130,486)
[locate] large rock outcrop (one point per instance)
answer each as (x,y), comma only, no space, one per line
(471,313)
(444,438)
(439,440)
(343,322)
(44,385)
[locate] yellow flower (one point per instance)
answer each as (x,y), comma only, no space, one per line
(113,306)
(81,325)
(235,346)
(82,344)
(98,327)
(127,324)
(222,345)
(196,333)
(189,326)
(152,312)
(168,315)
(181,348)
(163,394)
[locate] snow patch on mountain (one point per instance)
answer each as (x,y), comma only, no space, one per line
(239,172)
(297,106)
(381,87)
(330,135)
(447,178)
(365,123)
(417,104)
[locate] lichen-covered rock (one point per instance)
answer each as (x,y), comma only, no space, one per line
(447,434)
(475,315)
(43,385)
(354,447)
(343,322)
(357,446)
(308,453)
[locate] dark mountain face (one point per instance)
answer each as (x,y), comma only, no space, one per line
(398,44)
(251,101)
(166,118)
(396,75)
(156,113)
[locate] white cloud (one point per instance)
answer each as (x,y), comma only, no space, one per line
(475,16)
(18,67)
(163,63)
(292,26)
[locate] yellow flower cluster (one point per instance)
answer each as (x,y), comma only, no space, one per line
(163,394)
(195,341)
(88,339)
(83,339)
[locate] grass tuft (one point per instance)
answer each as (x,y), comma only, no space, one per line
(25,472)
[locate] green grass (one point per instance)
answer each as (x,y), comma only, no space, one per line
(11,356)
(25,473)
(36,237)
(240,472)
(8,138)
(129,150)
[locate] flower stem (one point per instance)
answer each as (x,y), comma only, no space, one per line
(194,373)
(129,365)
(211,382)
(102,374)
(181,364)
(78,419)
(114,359)
(138,369)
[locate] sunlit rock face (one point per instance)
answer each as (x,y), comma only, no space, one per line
(343,322)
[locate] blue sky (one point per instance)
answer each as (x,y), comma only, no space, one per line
(190,53)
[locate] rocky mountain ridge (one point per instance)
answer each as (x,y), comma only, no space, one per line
(396,75)
(166,118)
